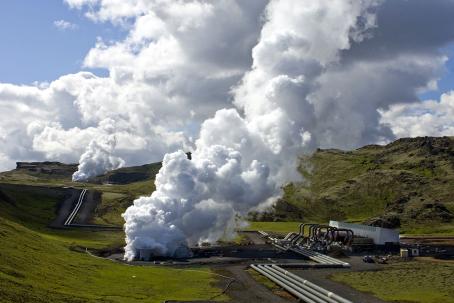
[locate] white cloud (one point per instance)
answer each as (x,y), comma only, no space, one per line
(64,25)
(428,118)
(181,61)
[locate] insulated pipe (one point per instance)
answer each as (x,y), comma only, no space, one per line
(323,257)
(349,235)
(303,225)
(311,228)
(319,257)
(280,247)
(314,286)
(292,285)
(302,228)
(282,284)
(294,235)
(315,257)
(290,236)
(322,295)
(76,208)
(296,239)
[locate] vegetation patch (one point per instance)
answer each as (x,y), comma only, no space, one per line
(414,281)
(39,264)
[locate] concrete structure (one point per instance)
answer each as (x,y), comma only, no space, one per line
(379,235)
(404,253)
(414,252)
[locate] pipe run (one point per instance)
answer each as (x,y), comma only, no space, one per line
(73,214)
(303,289)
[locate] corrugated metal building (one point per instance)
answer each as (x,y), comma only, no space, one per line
(379,235)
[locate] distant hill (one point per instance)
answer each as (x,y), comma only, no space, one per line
(408,183)
(29,172)
(118,188)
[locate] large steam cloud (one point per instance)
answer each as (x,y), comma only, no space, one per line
(239,163)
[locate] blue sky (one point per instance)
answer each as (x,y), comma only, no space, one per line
(446,83)
(32,48)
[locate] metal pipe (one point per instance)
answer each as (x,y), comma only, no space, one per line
(319,257)
(76,208)
(292,285)
(310,284)
(315,292)
(303,225)
(282,284)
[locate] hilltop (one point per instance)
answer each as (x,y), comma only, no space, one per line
(408,183)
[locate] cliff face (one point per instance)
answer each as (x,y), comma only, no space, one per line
(408,183)
(57,169)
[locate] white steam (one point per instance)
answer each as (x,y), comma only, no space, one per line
(240,162)
(98,159)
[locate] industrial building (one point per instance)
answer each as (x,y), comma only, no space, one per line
(379,235)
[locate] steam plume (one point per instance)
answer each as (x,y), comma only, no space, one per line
(240,162)
(98,159)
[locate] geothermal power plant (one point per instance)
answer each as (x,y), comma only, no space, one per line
(284,259)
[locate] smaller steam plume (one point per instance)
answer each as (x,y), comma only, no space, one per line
(98,159)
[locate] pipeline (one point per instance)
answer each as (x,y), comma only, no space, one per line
(319,257)
(76,208)
(312,285)
(321,296)
(284,285)
(303,289)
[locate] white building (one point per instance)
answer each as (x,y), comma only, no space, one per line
(379,235)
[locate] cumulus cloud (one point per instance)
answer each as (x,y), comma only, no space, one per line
(164,80)
(64,25)
(428,118)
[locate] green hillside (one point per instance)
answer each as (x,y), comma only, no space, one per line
(39,264)
(408,184)
(118,188)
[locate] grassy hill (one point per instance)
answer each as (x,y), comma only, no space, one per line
(118,188)
(408,184)
(39,264)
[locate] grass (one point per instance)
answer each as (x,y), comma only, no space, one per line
(415,281)
(27,256)
(428,229)
(38,264)
(395,180)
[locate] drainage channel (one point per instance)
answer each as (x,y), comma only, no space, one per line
(299,287)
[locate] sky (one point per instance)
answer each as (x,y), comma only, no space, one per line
(31,25)
(126,82)
(33,48)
